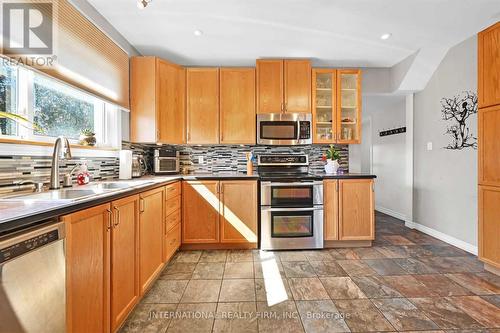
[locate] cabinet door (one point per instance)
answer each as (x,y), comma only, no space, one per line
(237,105)
(489,66)
(202,105)
(489,146)
(239,211)
(200,211)
(356,209)
(172,241)
(270,86)
(297,86)
(171,93)
(324,93)
(87,269)
(151,220)
(143,115)
(331,205)
(348,106)
(489,225)
(124,258)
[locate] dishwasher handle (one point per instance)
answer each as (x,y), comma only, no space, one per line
(30,240)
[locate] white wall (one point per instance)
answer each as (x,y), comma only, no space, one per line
(392,194)
(445,181)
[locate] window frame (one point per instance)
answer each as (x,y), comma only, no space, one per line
(107,116)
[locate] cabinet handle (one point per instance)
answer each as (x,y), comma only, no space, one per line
(141,205)
(286,107)
(337,186)
(117,219)
(108,224)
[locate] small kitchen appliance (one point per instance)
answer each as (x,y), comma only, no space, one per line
(284,129)
(166,161)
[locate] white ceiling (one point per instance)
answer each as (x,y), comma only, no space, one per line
(331,32)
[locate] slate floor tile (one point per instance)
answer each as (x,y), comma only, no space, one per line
(166,291)
(375,287)
(239,290)
(281,317)
(475,283)
(298,269)
(321,316)
(238,317)
(240,256)
(307,289)
(408,286)
(208,270)
(403,315)
(273,290)
(414,266)
(482,311)
(398,240)
(327,268)
(341,288)
(363,316)
(442,285)
(202,291)
(239,270)
(385,267)
(195,318)
(356,268)
(213,256)
(144,319)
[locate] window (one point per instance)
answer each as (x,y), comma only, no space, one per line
(8,98)
(54,108)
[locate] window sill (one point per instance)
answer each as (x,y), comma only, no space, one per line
(50,144)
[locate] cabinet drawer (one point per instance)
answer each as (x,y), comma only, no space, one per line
(173,190)
(171,205)
(173,241)
(172,220)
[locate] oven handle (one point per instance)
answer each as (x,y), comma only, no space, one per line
(309,209)
(269,184)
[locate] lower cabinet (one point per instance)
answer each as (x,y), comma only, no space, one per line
(151,223)
(216,212)
(489,225)
(88,234)
(349,209)
(172,238)
(124,258)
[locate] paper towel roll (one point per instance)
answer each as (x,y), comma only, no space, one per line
(125,164)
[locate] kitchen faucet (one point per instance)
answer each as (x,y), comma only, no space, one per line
(62,151)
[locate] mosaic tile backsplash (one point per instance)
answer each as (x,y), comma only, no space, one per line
(223,158)
(14,170)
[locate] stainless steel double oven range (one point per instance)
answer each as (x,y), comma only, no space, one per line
(291,204)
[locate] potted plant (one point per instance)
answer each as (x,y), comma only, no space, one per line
(332,157)
(87,137)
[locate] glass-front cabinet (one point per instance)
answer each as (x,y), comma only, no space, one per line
(336,105)
(349,106)
(324,93)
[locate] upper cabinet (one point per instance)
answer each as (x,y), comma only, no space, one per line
(336,105)
(283,86)
(489,66)
(324,92)
(237,106)
(349,106)
(202,105)
(157,95)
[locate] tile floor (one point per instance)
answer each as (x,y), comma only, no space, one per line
(407,281)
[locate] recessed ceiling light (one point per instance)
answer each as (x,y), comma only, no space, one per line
(385,36)
(198,32)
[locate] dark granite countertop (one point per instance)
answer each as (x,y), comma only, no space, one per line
(17,213)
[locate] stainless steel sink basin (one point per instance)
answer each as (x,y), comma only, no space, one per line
(69,194)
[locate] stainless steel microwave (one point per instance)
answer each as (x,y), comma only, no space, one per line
(284,129)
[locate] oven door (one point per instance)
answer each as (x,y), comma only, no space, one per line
(292,228)
(292,194)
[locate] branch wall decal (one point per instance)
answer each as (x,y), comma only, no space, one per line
(458,110)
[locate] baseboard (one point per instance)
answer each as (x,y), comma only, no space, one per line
(390,212)
(442,236)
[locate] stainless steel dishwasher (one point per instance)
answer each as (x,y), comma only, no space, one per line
(33,281)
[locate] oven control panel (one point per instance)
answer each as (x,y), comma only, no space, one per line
(283,160)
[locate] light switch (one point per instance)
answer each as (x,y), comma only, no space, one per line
(429,145)
(200,159)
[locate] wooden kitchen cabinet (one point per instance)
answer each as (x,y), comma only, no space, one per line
(220,212)
(172,238)
(238,212)
(356,209)
(125,291)
(283,86)
(489,225)
(331,209)
(157,101)
(348,115)
(202,89)
(489,145)
(237,106)
(151,223)
(200,211)
(489,66)
(88,235)
(324,106)
(297,86)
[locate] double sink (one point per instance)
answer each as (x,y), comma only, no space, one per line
(80,192)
